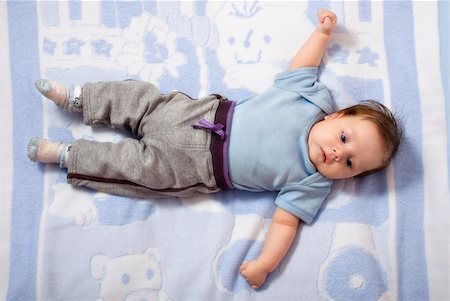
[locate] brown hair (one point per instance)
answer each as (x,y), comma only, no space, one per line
(386,123)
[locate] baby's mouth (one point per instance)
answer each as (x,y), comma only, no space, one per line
(324,156)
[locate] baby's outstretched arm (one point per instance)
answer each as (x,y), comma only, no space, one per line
(311,52)
(281,234)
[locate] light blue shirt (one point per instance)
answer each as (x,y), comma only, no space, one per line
(268,149)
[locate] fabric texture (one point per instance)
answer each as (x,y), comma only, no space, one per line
(382,237)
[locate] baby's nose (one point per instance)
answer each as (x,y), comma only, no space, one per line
(337,154)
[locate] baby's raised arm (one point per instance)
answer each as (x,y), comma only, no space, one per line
(283,229)
(311,52)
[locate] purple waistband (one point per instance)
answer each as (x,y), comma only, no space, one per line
(219,144)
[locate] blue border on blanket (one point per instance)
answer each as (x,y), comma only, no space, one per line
(402,69)
(26,203)
(444,25)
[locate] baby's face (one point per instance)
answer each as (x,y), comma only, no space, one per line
(344,146)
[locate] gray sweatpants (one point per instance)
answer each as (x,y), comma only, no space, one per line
(168,157)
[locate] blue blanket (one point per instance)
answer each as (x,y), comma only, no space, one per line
(383,237)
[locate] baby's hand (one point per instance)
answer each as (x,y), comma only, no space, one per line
(254,272)
(327,21)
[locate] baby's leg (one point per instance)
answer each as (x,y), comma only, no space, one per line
(121,104)
(118,104)
(66,98)
(135,169)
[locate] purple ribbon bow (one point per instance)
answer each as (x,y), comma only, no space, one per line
(215,128)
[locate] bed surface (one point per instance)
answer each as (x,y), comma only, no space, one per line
(383,237)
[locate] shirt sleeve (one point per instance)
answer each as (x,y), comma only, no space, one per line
(305,198)
(304,82)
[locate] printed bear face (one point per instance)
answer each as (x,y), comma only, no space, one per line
(249,42)
(121,276)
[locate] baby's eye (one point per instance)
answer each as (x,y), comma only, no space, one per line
(349,163)
(343,137)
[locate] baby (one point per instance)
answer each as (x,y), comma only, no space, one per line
(287,139)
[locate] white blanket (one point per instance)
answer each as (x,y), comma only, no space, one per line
(384,237)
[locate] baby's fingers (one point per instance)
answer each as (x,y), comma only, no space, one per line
(323,14)
(327,21)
